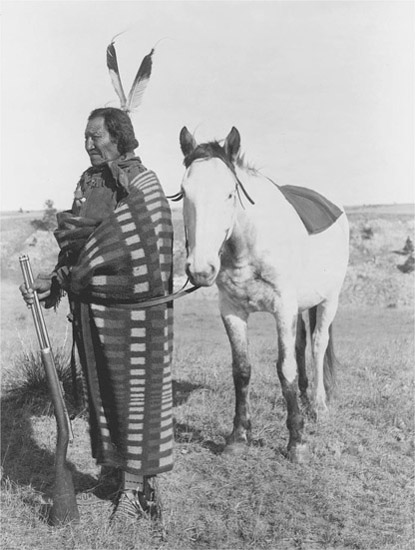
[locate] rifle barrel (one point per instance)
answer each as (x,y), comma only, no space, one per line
(64,508)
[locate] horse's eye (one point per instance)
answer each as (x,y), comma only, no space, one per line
(230,195)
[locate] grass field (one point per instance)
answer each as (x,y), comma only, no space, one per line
(356,489)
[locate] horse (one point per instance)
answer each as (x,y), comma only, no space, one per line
(262,258)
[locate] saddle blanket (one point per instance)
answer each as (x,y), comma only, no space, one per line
(316,212)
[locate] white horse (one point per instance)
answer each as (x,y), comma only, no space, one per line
(262,259)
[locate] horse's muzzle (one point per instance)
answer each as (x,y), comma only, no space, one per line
(205,277)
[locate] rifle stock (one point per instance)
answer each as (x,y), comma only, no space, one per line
(64,508)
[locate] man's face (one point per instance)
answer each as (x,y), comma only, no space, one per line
(98,142)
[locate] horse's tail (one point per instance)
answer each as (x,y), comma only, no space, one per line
(331,363)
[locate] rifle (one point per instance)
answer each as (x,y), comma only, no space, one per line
(64,508)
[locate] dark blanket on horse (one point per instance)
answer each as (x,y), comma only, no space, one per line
(125,351)
(316,212)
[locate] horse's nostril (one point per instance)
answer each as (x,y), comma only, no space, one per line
(203,276)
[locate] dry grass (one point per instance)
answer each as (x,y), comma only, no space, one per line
(354,492)
(373,277)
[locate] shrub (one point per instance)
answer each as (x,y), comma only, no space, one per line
(29,386)
(408,266)
(367,232)
(408,247)
(48,222)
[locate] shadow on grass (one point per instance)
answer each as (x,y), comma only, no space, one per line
(184,433)
(182,390)
(25,463)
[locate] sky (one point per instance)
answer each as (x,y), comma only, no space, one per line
(321,92)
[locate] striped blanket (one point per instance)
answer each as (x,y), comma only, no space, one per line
(125,351)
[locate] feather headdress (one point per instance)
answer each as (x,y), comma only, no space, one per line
(140,82)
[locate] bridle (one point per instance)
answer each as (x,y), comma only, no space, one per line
(238,184)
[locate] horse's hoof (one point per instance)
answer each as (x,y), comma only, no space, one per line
(298,454)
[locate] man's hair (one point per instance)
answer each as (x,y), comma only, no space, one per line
(119,127)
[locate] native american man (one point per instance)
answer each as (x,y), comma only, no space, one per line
(116,249)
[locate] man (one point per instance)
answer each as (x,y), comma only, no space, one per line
(116,250)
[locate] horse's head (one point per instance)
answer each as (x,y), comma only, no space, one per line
(209,190)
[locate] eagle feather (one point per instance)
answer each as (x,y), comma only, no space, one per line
(140,82)
(112,65)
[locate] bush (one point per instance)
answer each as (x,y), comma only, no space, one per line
(367,232)
(408,247)
(29,386)
(48,222)
(408,266)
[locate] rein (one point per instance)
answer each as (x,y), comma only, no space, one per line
(245,192)
(143,303)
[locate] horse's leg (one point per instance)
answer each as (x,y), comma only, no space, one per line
(236,327)
(287,373)
(300,345)
(323,362)
(300,355)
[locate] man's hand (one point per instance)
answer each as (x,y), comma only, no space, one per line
(42,284)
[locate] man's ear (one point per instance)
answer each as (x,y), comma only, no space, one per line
(187,142)
(232,144)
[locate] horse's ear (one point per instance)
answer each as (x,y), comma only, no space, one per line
(232,144)
(187,142)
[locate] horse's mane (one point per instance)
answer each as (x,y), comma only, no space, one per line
(214,149)
(206,151)
(248,167)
